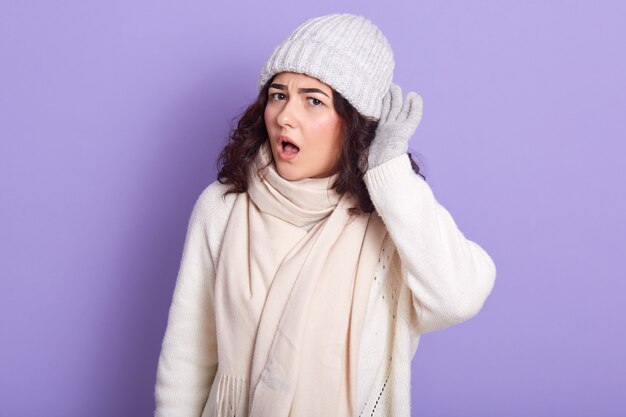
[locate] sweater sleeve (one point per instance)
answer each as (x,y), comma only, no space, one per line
(449,276)
(188,359)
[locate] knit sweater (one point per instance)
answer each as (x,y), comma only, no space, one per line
(429,276)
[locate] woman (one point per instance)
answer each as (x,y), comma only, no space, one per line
(315,262)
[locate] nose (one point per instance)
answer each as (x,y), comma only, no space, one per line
(288,114)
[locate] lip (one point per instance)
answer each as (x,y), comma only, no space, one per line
(279,148)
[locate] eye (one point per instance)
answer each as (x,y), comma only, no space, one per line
(315,102)
(277,96)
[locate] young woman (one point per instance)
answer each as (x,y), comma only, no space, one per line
(317,259)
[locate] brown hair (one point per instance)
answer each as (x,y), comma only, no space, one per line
(250,133)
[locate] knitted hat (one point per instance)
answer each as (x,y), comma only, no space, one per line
(345,51)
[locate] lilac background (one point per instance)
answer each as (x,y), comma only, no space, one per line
(111,117)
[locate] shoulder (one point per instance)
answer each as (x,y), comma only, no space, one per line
(213,200)
(212,210)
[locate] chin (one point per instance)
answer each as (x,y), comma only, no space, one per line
(287,170)
(289,174)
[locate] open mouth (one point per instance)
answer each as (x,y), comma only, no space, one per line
(289,149)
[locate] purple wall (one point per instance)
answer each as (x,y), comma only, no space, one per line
(111,117)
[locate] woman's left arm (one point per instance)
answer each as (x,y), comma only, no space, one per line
(449,275)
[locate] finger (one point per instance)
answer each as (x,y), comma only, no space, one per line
(414,109)
(384,113)
(396,102)
(406,108)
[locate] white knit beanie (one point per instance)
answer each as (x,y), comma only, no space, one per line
(345,51)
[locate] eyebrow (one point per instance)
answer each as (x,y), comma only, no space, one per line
(300,90)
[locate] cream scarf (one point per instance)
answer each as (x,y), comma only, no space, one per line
(291,291)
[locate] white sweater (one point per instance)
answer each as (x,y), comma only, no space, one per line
(429,276)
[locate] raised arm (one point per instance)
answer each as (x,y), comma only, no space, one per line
(449,275)
(188,359)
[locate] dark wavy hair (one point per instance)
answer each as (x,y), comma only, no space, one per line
(250,133)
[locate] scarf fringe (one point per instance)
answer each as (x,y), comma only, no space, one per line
(232,398)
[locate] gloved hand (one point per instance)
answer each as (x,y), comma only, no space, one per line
(397,124)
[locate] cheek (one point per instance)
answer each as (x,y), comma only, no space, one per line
(330,130)
(267,115)
(323,126)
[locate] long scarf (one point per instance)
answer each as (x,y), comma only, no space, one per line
(291,291)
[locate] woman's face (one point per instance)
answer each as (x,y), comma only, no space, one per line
(303,127)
